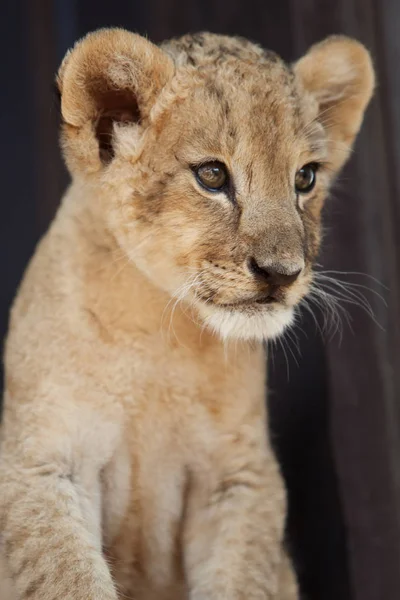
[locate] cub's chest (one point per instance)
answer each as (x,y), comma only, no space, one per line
(143,505)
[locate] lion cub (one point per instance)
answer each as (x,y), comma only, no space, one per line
(134,460)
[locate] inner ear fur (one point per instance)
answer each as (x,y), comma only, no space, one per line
(109,76)
(339,75)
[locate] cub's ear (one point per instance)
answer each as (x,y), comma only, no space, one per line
(339,75)
(110,76)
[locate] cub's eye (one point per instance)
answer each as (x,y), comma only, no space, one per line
(305,178)
(213,175)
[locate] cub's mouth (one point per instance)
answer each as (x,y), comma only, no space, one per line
(273,297)
(233,313)
(265,299)
(249,289)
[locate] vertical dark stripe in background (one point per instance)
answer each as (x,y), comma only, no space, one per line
(336,419)
(42,62)
(18,230)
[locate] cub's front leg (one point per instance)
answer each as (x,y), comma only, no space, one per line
(50,510)
(48,549)
(234,523)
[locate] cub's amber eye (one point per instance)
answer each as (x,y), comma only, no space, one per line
(213,175)
(305,178)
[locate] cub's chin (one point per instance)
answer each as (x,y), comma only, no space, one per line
(247,323)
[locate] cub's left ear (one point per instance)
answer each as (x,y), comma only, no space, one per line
(339,75)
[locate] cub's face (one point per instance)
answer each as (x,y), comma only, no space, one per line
(230,216)
(213,158)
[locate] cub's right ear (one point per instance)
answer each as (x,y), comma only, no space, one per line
(110,76)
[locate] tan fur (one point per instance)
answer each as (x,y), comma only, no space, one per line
(134,458)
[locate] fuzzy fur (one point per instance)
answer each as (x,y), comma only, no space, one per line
(135,461)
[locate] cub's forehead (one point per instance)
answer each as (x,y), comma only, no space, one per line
(202,49)
(233,76)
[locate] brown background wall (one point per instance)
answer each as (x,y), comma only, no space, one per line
(336,418)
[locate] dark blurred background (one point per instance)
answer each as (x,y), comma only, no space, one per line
(335,411)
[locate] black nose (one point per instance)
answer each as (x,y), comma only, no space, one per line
(274,274)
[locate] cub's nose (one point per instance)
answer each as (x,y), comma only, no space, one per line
(276,274)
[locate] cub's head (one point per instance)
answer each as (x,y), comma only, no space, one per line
(211,158)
